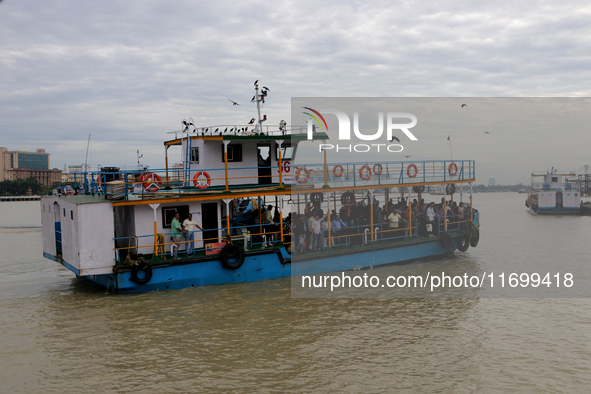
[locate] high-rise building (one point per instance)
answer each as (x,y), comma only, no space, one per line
(491,182)
(22,164)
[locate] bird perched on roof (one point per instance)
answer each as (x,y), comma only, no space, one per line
(251,121)
(233,102)
(464,105)
(395,138)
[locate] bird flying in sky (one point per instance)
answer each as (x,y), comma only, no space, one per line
(464,105)
(395,138)
(233,102)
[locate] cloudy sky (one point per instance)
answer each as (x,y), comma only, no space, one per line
(129,71)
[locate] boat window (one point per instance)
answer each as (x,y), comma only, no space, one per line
(554,179)
(72,215)
(64,212)
(286,152)
(234,152)
(195,155)
(169,212)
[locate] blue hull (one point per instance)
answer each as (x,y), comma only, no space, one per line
(556,211)
(270,264)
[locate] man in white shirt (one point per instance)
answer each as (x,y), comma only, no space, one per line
(431,215)
(189,226)
(316,231)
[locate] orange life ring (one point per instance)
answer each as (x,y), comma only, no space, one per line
(340,172)
(152,182)
(415,170)
(452,169)
(366,176)
(377,169)
(196,182)
(305,178)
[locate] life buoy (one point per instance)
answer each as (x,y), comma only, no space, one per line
(317,198)
(366,176)
(339,172)
(141,267)
(200,184)
(305,178)
(445,241)
(463,242)
(418,189)
(450,189)
(348,198)
(377,169)
(414,172)
(152,182)
(232,251)
(285,166)
(452,169)
(475,237)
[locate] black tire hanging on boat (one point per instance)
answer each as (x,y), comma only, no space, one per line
(138,268)
(445,241)
(475,237)
(317,198)
(231,251)
(463,242)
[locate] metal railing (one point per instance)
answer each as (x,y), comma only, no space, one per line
(137,184)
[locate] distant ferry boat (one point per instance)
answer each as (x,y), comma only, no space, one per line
(121,233)
(553,192)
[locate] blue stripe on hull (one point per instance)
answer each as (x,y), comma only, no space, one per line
(556,211)
(371,258)
(256,267)
(269,266)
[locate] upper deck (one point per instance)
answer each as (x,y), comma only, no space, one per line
(166,185)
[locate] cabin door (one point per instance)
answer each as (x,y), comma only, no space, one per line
(559,203)
(58,229)
(264,163)
(125,231)
(209,222)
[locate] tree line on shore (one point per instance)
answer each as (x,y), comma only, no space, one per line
(24,187)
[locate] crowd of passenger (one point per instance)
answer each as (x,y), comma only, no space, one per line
(349,223)
(308,231)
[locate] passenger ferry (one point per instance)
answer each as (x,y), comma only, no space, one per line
(119,233)
(553,192)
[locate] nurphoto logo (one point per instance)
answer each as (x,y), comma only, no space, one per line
(345,130)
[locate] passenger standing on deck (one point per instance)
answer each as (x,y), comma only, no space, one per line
(267,217)
(431,215)
(176,232)
(189,226)
(316,230)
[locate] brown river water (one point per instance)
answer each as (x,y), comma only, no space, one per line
(60,335)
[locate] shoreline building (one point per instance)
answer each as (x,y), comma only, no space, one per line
(22,164)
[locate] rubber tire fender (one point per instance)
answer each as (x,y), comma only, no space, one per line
(475,237)
(141,267)
(445,241)
(232,251)
(463,242)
